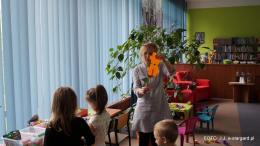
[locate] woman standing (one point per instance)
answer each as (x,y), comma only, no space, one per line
(152,105)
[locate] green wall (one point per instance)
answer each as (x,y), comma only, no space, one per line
(223,23)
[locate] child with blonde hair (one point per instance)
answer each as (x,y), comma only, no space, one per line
(99,122)
(165,132)
(65,128)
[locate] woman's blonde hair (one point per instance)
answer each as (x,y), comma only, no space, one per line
(64,106)
(145,47)
(97,94)
(167,128)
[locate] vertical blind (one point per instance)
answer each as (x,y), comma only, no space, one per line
(51,43)
(175,10)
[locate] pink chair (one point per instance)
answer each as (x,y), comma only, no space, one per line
(189,129)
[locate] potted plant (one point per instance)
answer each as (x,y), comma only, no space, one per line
(171,43)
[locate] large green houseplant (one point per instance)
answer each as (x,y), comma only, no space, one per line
(171,43)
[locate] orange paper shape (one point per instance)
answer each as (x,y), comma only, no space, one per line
(153,70)
(155,60)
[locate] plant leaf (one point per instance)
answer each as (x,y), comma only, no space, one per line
(146,80)
(118,75)
(121,57)
(111,49)
(140,37)
(193,87)
(120,68)
(172,60)
(175,93)
(169,42)
(180,95)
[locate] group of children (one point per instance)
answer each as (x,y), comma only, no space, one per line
(67,129)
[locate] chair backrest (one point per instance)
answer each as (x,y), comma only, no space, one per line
(182,74)
(190,124)
(214,109)
(122,120)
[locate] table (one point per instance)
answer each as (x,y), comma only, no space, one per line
(188,110)
(240,91)
(111,111)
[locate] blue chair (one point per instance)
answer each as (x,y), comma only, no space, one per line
(204,118)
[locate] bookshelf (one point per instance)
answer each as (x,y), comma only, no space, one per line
(246,50)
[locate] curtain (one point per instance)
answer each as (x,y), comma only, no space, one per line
(53,43)
(175,10)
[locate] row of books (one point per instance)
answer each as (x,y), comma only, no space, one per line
(245,56)
(224,48)
(231,48)
(246,40)
(244,49)
(221,56)
(237,40)
(222,41)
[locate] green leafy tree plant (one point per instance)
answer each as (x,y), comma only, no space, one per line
(171,43)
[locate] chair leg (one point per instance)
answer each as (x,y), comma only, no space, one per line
(109,139)
(208,127)
(212,124)
(193,138)
(187,138)
(201,123)
(182,140)
(129,137)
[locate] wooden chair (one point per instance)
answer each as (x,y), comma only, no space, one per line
(113,137)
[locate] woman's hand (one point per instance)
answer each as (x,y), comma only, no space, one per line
(143,90)
(161,56)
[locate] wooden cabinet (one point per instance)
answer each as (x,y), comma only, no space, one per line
(246,50)
(221,74)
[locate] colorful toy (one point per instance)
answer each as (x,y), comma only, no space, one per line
(224,142)
(216,141)
(196,142)
(205,140)
(26,141)
(189,103)
(210,140)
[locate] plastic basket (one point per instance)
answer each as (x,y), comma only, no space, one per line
(41,125)
(23,142)
(32,131)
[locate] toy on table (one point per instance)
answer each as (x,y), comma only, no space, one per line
(189,102)
(215,140)
(196,142)
(15,135)
(224,142)
(205,140)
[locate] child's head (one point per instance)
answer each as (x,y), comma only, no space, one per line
(97,98)
(165,132)
(64,106)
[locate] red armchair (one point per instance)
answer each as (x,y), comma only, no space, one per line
(203,88)
(188,95)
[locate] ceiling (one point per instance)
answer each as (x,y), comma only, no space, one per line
(198,4)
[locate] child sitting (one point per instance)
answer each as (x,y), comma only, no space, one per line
(65,128)
(98,123)
(165,133)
